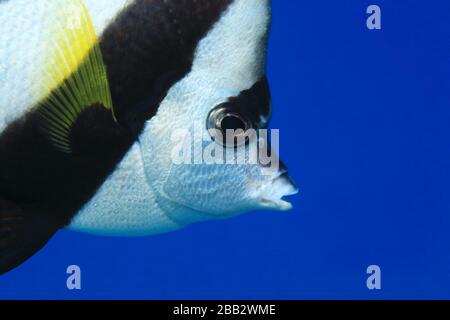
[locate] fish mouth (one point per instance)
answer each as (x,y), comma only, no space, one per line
(279,188)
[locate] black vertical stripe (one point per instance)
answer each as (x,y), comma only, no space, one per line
(149,47)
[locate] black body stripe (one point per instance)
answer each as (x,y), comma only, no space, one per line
(147,49)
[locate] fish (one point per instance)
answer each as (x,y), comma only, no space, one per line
(93,97)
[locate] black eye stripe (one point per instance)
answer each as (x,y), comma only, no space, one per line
(250,109)
(254,103)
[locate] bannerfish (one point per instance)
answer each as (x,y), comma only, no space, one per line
(90,94)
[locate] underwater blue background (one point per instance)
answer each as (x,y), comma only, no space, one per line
(365,127)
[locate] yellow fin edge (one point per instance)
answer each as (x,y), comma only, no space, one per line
(76,76)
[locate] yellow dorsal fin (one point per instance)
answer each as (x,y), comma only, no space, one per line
(75,77)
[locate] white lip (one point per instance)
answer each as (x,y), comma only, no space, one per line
(273,194)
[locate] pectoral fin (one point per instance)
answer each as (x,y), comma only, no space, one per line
(76,77)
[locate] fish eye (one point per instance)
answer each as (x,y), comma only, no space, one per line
(228,127)
(233,122)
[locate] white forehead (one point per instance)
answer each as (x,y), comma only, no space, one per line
(230,59)
(234,51)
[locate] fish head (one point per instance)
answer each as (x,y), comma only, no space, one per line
(199,149)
